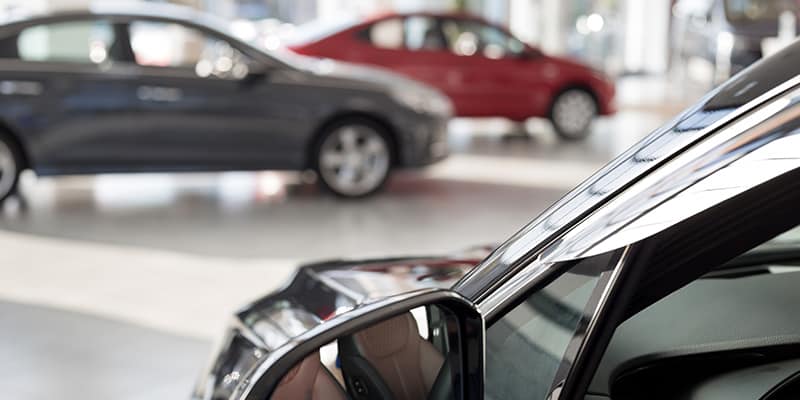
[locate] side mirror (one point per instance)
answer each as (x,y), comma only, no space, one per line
(426,345)
(529,53)
(255,74)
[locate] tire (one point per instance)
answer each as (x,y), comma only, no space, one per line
(572,114)
(10,166)
(353,157)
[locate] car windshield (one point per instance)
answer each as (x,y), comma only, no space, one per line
(530,349)
(758,10)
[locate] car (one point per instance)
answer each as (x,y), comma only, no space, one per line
(470,60)
(159,88)
(729,35)
(670,273)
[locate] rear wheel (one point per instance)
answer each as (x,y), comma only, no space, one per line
(10,166)
(572,113)
(353,158)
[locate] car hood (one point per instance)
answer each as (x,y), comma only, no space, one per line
(316,293)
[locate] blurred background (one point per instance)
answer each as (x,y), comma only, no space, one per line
(116,285)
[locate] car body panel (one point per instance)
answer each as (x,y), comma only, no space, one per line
(124,117)
(520,86)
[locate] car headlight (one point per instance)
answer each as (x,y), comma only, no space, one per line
(423,101)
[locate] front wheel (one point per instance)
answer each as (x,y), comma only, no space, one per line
(353,158)
(9,166)
(572,113)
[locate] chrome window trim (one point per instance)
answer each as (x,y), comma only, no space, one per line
(522,281)
(592,327)
(746,136)
(534,272)
(492,304)
(542,234)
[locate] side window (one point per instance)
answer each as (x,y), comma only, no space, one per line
(86,41)
(424,33)
(387,34)
(171,45)
(530,349)
(469,38)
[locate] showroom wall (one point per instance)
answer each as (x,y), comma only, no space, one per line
(625,36)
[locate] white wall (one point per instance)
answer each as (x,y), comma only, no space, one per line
(646,35)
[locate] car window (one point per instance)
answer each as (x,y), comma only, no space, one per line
(469,38)
(86,41)
(530,349)
(387,34)
(424,33)
(171,45)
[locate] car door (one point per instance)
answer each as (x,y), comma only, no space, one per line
(733,190)
(486,62)
(77,94)
(202,101)
(410,45)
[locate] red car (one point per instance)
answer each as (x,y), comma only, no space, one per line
(482,67)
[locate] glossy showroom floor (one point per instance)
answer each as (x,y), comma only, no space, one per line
(115,286)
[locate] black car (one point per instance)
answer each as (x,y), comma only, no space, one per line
(672,273)
(127,90)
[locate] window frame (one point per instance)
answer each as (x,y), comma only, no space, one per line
(17,34)
(480,50)
(537,275)
(207,34)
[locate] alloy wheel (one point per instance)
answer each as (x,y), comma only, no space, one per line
(573,112)
(354,160)
(8,170)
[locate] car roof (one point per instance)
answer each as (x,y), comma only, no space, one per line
(607,199)
(434,14)
(124,10)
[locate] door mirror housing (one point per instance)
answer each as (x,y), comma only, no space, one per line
(529,53)
(255,73)
(435,335)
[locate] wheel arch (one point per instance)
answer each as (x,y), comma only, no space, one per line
(14,136)
(570,86)
(339,117)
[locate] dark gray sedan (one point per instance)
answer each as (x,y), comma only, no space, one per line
(111,90)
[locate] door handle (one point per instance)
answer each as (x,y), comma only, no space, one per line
(20,88)
(160,94)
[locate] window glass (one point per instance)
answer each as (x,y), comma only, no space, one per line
(423,33)
(531,348)
(387,34)
(162,44)
(74,41)
(468,38)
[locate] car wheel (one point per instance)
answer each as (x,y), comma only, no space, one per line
(9,166)
(572,113)
(354,158)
